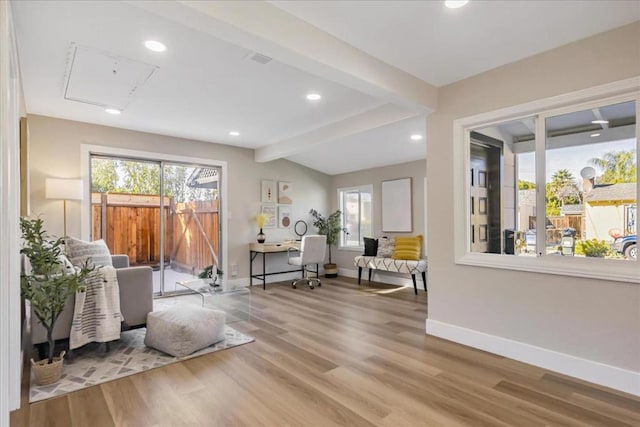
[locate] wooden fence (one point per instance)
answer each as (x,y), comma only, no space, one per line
(130,224)
(573,221)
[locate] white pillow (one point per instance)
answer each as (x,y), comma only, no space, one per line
(79,251)
(386,247)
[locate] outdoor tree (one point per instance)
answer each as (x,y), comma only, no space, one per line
(104,176)
(125,176)
(616,167)
(525,185)
(562,190)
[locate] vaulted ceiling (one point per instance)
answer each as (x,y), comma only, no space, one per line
(247,67)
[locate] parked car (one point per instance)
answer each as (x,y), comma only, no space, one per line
(627,245)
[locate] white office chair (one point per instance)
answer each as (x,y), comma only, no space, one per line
(312,250)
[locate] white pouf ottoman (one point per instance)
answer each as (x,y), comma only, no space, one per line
(182,330)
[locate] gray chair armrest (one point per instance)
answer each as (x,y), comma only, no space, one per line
(120,261)
(136,294)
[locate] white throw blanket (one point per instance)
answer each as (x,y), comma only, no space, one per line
(97,317)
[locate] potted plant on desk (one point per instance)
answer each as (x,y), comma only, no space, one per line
(331,227)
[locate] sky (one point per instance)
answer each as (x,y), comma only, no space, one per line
(571,158)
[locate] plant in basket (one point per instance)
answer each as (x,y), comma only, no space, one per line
(46,282)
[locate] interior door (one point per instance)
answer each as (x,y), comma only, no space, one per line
(479,199)
(486,203)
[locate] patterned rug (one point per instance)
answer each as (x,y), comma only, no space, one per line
(91,365)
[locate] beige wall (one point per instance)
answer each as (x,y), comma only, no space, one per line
(415,170)
(55,152)
(592,319)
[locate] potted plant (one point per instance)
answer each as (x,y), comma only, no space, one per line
(47,283)
(207,273)
(331,227)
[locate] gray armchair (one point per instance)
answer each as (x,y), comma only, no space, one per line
(136,300)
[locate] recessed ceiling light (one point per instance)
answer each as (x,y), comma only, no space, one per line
(454,4)
(314,96)
(599,122)
(416,137)
(593,135)
(113,111)
(234,133)
(155,46)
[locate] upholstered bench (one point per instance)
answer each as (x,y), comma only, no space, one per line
(393,265)
(182,330)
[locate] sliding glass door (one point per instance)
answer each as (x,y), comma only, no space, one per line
(161,214)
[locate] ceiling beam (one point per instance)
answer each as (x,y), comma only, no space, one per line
(267,29)
(374,118)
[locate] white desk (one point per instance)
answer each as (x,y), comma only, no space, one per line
(264,249)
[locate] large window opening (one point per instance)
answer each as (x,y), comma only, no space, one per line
(161,214)
(557,184)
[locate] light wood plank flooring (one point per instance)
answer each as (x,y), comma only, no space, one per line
(339,355)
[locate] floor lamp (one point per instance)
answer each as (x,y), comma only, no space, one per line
(63,189)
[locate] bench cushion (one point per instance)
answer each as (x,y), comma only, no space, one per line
(389,264)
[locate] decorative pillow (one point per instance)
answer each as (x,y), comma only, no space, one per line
(386,247)
(408,248)
(370,246)
(79,251)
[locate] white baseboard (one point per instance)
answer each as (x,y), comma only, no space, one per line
(383,277)
(588,370)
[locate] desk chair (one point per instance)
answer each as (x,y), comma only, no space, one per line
(312,250)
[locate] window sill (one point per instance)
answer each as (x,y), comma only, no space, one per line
(592,268)
(351,248)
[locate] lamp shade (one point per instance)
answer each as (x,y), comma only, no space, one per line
(65,189)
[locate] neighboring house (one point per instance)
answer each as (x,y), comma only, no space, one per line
(610,209)
(526,209)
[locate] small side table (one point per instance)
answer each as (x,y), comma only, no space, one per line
(234,299)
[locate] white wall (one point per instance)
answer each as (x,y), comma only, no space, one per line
(55,152)
(415,170)
(593,320)
(11,104)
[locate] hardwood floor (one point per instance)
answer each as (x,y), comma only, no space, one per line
(344,355)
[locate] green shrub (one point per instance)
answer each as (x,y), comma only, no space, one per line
(592,248)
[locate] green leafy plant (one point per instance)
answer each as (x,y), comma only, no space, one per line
(592,248)
(49,282)
(207,272)
(330,226)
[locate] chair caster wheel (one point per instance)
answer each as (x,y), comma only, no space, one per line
(319,283)
(293,285)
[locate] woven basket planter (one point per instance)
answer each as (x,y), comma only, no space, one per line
(47,373)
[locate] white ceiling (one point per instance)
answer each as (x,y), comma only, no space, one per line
(205,86)
(441,45)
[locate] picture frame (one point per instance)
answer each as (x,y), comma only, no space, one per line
(271,211)
(268,191)
(285,196)
(397,206)
(284,217)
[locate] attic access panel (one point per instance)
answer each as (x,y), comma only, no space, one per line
(104,79)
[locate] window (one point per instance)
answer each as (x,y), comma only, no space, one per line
(355,204)
(551,189)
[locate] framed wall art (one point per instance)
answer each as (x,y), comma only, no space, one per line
(268,191)
(284,216)
(284,193)
(273,219)
(397,206)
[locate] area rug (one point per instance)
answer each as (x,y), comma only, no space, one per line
(92,365)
